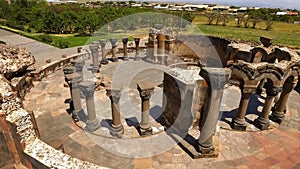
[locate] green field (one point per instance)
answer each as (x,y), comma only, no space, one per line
(283,33)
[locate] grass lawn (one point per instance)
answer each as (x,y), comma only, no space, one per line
(283,33)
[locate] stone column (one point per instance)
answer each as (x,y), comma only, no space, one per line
(95,56)
(137,49)
(78,64)
(161,48)
(73,80)
(216,79)
(278,114)
(151,48)
(88,88)
(168,47)
(263,122)
(125,41)
(103,54)
(145,89)
(113,42)
(239,122)
(114,96)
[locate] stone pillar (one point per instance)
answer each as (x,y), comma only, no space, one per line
(263,122)
(95,56)
(88,88)
(103,54)
(79,49)
(168,48)
(137,49)
(216,79)
(114,46)
(161,48)
(239,122)
(278,114)
(125,41)
(114,96)
(145,89)
(78,64)
(73,80)
(151,48)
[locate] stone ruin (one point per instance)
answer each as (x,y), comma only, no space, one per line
(193,88)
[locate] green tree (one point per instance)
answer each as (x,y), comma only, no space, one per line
(210,16)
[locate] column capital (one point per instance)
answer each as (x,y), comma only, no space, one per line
(113,41)
(273,91)
(248,89)
(216,77)
(137,40)
(145,89)
(69,69)
(87,88)
(102,42)
(125,40)
(94,46)
(114,94)
(73,78)
(79,64)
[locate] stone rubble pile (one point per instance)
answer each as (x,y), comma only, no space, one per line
(55,158)
(13,59)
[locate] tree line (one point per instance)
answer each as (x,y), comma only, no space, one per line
(250,18)
(39,16)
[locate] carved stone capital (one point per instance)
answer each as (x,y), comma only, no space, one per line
(69,69)
(125,41)
(145,89)
(273,91)
(248,90)
(113,41)
(216,77)
(94,47)
(102,43)
(87,88)
(73,78)
(114,94)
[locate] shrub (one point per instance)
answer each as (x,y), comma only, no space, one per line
(46,38)
(62,43)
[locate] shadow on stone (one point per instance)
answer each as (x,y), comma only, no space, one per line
(133,121)
(253,105)
(156,113)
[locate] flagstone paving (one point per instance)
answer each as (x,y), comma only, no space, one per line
(278,148)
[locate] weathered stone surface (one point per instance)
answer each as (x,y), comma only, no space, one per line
(14,60)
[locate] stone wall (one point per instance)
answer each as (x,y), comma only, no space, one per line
(181,99)
(21,145)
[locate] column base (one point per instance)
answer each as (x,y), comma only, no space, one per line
(117,131)
(146,130)
(94,70)
(137,58)
(75,115)
(114,59)
(104,62)
(239,124)
(206,150)
(92,125)
(262,123)
(125,58)
(277,117)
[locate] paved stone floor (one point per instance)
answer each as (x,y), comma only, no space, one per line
(278,148)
